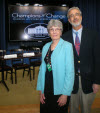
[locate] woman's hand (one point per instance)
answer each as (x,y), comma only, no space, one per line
(42,98)
(62,100)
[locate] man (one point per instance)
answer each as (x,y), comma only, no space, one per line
(86,46)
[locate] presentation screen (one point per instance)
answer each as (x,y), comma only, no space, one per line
(29,23)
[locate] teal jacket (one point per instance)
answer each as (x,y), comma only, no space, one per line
(62,62)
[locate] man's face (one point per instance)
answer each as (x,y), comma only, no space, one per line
(75,18)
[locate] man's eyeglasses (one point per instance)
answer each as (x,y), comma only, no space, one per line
(72,15)
(52,30)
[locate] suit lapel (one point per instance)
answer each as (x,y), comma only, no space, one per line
(83,41)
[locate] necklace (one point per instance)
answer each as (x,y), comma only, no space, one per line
(53,46)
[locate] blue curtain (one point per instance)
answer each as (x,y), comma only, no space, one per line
(90,12)
(2,25)
(98,16)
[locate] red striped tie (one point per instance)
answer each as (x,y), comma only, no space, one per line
(77,43)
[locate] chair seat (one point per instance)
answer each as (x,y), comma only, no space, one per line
(5,68)
(35,63)
(20,66)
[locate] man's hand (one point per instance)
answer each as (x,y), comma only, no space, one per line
(95,88)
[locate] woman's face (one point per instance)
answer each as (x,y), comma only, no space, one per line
(55,33)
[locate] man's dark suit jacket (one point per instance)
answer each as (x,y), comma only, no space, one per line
(89,58)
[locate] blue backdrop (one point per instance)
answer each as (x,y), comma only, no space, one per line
(90,12)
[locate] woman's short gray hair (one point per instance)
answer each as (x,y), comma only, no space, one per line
(73,8)
(55,23)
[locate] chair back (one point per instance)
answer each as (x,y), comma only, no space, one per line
(2,53)
(19,53)
(35,49)
(16,51)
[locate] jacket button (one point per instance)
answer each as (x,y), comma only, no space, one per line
(79,61)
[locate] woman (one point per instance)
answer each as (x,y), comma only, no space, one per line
(56,75)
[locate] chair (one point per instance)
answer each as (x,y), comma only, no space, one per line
(34,64)
(35,61)
(18,63)
(4,66)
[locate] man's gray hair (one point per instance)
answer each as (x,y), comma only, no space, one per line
(73,8)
